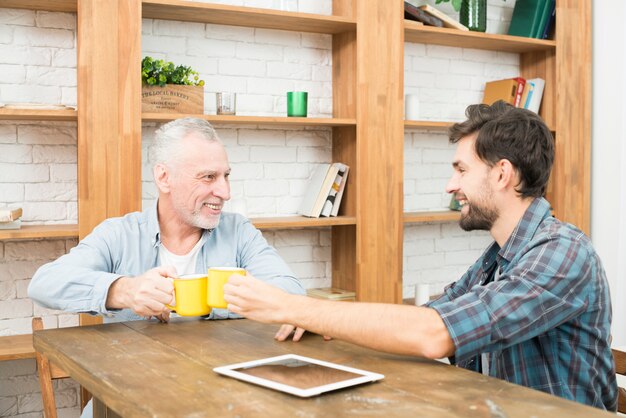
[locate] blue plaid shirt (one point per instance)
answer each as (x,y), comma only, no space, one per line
(546,321)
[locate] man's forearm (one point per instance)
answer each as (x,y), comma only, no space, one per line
(396,329)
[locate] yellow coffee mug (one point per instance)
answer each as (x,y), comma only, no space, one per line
(190,291)
(218,276)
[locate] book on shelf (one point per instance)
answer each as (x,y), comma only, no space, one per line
(331,199)
(543,21)
(533,101)
(521,84)
(10,214)
(342,188)
(526,18)
(510,90)
(317,190)
(528,86)
(550,23)
(331,293)
(16,224)
(448,22)
(414,13)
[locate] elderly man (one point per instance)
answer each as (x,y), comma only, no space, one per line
(124,268)
(533,310)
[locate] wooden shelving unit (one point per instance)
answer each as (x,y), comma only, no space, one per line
(245,16)
(367,238)
(429,125)
(36,114)
(67,6)
(429,217)
(253,120)
(289,222)
(476,40)
(39,232)
(13,347)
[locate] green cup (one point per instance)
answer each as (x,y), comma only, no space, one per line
(297,103)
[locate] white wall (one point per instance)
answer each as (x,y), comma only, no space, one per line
(608,174)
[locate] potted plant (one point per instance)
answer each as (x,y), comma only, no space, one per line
(168,88)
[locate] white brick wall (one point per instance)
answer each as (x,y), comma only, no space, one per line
(270,165)
(446,79)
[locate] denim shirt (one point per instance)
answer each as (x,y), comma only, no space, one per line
(129,246)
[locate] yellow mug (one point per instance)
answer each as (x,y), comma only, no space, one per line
(190,291)
(218,276)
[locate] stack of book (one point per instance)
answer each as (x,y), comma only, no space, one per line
(331,293)
(325,191)
(517,91)
(533,18)
(430,16)
(11,218)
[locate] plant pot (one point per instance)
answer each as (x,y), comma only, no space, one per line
(172,98)
(473,14)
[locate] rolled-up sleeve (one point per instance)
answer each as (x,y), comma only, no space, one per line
(78,281)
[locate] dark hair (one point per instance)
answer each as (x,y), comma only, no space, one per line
(514,134)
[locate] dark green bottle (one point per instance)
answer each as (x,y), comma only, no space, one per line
(474,15)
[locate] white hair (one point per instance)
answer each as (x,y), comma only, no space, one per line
(167,138)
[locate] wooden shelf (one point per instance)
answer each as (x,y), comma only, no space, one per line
(38,114)
(39,231)
(189,11)
(424,124)
(288,222)
(69,6)
(251,120)
(462,39)
(13,347)
(428,216)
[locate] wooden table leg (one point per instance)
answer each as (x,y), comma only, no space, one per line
(100,410)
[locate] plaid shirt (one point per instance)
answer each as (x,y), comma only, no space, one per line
(546,321)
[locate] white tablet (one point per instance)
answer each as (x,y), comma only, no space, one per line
(298,375)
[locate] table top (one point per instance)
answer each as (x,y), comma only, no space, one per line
(145,368)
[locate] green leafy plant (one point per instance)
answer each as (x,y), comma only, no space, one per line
(160,72)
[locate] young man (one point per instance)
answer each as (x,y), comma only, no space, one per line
(533,310)
(124,268)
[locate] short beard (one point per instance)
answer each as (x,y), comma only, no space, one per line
(478,218)
(197,220)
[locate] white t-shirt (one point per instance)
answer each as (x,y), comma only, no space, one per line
(184,264)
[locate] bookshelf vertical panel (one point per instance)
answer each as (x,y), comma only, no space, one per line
(109,112)
(380,133)
(572,180)
(343,252)
(343,256)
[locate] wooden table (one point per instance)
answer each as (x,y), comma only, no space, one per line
(148,369)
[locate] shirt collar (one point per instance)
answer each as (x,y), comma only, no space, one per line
(538,210)
(154,229)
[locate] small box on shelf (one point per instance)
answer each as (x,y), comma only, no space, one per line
(172,99)
(331,293)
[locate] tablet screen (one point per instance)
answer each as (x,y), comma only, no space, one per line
(298,375)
